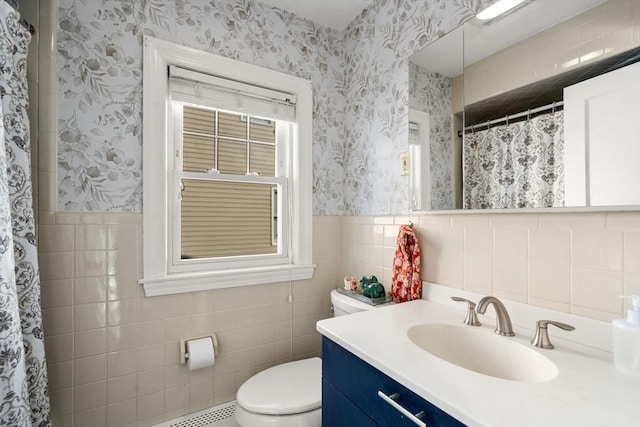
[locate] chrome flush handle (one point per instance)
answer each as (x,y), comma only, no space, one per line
(472,317)
(541,338)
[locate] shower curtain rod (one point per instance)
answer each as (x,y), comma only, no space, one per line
(23,22)
(515,116)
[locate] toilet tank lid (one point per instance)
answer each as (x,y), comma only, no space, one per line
(348,304)
(289,388)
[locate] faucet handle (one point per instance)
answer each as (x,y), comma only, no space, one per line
(472,318)
(541,338)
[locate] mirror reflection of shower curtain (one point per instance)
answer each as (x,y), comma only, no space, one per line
(515,165)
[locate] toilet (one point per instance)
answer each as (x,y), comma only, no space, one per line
(290,394)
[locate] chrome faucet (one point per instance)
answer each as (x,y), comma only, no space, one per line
(472,318)
(503,322)
(541,338)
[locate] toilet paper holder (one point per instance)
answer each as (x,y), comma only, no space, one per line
(184,356)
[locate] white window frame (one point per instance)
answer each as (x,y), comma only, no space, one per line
(160,277)
(419,163)
(276,220)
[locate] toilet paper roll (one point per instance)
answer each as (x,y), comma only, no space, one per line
(201,353)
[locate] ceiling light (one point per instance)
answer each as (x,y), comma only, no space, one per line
(498,8)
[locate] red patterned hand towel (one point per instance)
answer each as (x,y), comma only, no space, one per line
(406,284)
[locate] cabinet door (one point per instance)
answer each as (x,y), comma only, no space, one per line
(602,139)
(339,411)
(360,383)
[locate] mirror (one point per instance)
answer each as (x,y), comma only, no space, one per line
(540,109)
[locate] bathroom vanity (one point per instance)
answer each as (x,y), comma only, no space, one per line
(353,390)
(370,352)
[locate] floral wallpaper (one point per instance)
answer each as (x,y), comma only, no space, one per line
(431,92)
(377,46)
(360,82)
(100,87)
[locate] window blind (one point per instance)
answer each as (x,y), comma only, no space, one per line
(215,92)
(226,219)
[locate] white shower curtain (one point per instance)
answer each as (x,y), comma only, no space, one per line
(517,165)
(24,399)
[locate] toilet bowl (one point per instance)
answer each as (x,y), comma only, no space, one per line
(290,394)
(285,395)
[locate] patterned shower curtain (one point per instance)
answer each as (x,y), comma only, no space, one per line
(517,165)
(24,397)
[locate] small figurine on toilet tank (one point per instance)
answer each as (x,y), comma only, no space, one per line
(351,284)
(371,288)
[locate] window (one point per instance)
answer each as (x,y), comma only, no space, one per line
(220,216)
(227,172)
(419,155)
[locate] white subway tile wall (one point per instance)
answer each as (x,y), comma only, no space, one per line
(113,355)
(601,31)
(572,262)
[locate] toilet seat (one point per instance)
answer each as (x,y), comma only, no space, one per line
(286,389)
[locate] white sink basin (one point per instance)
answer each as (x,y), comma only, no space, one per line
(483,352)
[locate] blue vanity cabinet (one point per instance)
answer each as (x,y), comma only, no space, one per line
(337,410)
(350,397)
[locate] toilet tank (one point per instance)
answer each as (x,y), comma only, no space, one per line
(343,304)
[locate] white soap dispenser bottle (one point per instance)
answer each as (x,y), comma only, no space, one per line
(626,340)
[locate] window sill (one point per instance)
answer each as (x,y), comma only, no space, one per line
(194,282)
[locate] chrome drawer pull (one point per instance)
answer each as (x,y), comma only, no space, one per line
(391,400)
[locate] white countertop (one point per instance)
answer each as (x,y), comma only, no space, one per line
(588,390)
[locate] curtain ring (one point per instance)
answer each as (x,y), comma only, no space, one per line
(529,114)
(506,118)
(473,129)
(553,107)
